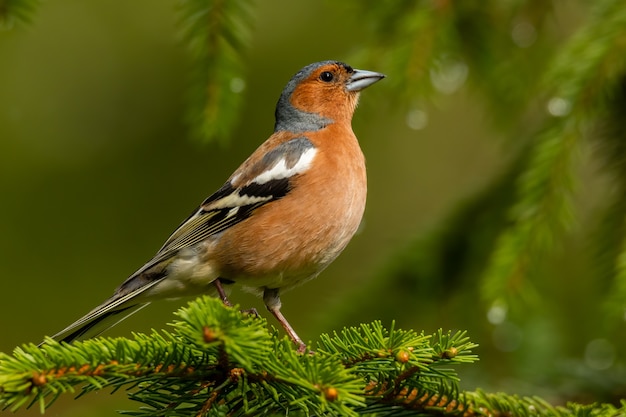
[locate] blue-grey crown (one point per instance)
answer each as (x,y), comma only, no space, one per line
(293,120)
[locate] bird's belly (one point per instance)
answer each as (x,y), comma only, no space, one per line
(293,244)
(189,274)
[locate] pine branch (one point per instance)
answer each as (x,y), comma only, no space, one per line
(542,212)
(497,46)
(218,360)
(16,12)
(616,302)
(217,33)
(216,357)
(610,242)
(521,70)
(609,246)
(579,78)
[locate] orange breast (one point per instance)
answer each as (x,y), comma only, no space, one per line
(294,238)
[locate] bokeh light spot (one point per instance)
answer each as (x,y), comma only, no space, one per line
(523,34)
(558,106)
(237,85)
(448,75)
(416,119)
(599,354)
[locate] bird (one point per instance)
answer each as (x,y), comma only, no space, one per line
(282,217)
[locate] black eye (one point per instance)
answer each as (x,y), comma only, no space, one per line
(326,76)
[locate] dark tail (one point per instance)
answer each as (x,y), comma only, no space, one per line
(106,315)
(127,300)
(96,322)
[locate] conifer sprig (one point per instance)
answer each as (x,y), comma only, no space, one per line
(16,12)
(218,356)
(217,34)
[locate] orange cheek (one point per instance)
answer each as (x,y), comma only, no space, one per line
(325,101)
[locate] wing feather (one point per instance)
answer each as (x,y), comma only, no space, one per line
(231,205)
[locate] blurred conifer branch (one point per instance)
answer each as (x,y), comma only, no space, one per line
(16,12)
(555,95)
(438,45)
(582,80)
(217,33)
(219,361)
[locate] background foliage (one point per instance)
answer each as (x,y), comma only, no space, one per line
(495,152)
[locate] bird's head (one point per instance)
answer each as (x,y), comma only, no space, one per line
(320,94)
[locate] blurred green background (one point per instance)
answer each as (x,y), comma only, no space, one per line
(97,168)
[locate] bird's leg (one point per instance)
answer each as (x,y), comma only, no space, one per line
(272,302)
(222,294)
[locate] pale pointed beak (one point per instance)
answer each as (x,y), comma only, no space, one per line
(361,79)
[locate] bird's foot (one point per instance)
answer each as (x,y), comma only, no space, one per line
(251,312)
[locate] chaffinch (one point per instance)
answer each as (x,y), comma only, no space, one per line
(278,221)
